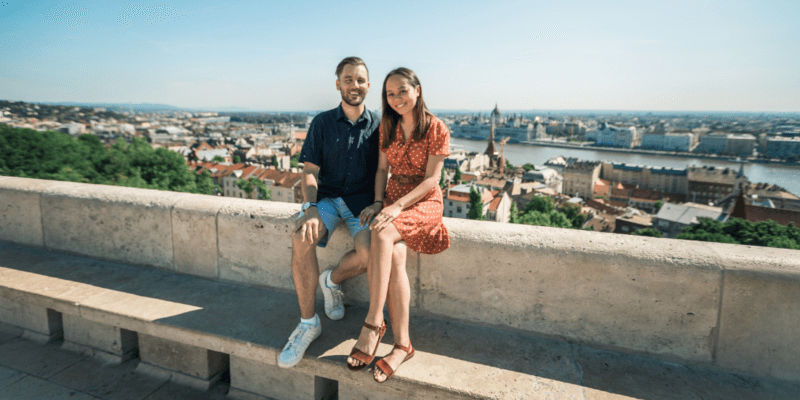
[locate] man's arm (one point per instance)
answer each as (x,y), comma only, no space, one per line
(308,225)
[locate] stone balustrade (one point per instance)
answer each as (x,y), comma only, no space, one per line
(726,307)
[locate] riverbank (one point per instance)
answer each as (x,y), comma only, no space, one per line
(677,154)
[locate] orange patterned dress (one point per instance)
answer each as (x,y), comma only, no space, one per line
(420,224)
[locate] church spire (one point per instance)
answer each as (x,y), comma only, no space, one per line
(491,149)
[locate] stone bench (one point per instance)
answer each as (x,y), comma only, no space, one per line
(193,330)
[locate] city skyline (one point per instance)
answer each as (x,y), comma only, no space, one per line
(676,56)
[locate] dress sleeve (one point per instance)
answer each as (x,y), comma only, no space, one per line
(438,138)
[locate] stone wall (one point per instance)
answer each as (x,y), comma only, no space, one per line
(729,307)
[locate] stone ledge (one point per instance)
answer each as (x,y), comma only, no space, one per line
(655,297)
(454,360)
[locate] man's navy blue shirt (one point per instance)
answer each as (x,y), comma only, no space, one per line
(347,156)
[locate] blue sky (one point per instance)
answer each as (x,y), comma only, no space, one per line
(276,55)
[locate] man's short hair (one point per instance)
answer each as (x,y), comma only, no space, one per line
(350,61)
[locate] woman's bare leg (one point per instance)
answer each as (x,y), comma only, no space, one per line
(399,300)
(379,269)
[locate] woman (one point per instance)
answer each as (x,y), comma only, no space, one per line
(414,143)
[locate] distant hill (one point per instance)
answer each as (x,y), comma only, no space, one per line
(137,107)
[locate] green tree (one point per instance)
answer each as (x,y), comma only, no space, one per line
(653,232)
(528,167)
(573,213)
(475,205)
(218,159)
(513,213)
(294,161)
(542,204)
(58,156)
(509,166)
(457,176)
(707,230)
(658,205)
(237,159)
(442,180)
(275,162)
(250,184)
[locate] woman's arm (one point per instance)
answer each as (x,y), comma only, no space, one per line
(381,176)
(433,172)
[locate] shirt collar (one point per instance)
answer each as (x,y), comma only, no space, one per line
(365,115)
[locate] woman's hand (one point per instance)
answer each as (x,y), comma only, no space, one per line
(385,217)
(369,212)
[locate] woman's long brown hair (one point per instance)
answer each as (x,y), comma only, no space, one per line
(390,118)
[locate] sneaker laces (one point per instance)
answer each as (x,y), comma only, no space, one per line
(337,295)
(297,336)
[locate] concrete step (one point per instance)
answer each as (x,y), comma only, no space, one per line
(191,330)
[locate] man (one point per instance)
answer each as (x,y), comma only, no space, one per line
(340,156)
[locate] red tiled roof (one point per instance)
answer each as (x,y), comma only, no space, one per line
(495,202)
(301,135)
(600,207)
(455,196)
(781,216)
(281,178)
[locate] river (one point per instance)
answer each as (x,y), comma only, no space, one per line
(785,176)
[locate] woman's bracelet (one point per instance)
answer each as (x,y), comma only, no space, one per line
(377,201)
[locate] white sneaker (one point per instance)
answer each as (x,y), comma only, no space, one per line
(298,342)
(334,307)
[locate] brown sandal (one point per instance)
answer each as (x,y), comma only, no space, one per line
(384,366)
(365,358)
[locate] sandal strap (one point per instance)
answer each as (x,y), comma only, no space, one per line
(385,368)
(375,328)
(361,356)
(406,349)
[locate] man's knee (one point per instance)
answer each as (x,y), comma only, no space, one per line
(303,248)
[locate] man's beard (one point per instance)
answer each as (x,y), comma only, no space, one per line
(355,103)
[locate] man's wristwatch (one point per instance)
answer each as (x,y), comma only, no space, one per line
(308,205)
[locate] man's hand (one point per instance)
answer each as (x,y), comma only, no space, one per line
(308,225)
(369,212)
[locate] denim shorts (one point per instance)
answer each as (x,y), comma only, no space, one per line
(333,211)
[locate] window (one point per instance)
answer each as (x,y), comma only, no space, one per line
(467,206)
(458,209)
(451,203)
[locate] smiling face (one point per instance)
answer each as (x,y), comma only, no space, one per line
(353,84)
(401,95)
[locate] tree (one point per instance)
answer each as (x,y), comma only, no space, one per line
(218,159)
(573,213)
(275,162)
(475,205)
(514,213)
(542,204)
(58,156)
(457,176)
(509,166)
(652,232)
(528,167)
(295,159)
(442,180)
(250,184)
(658,205)
(237,159)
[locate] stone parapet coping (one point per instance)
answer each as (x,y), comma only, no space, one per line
(727,307)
